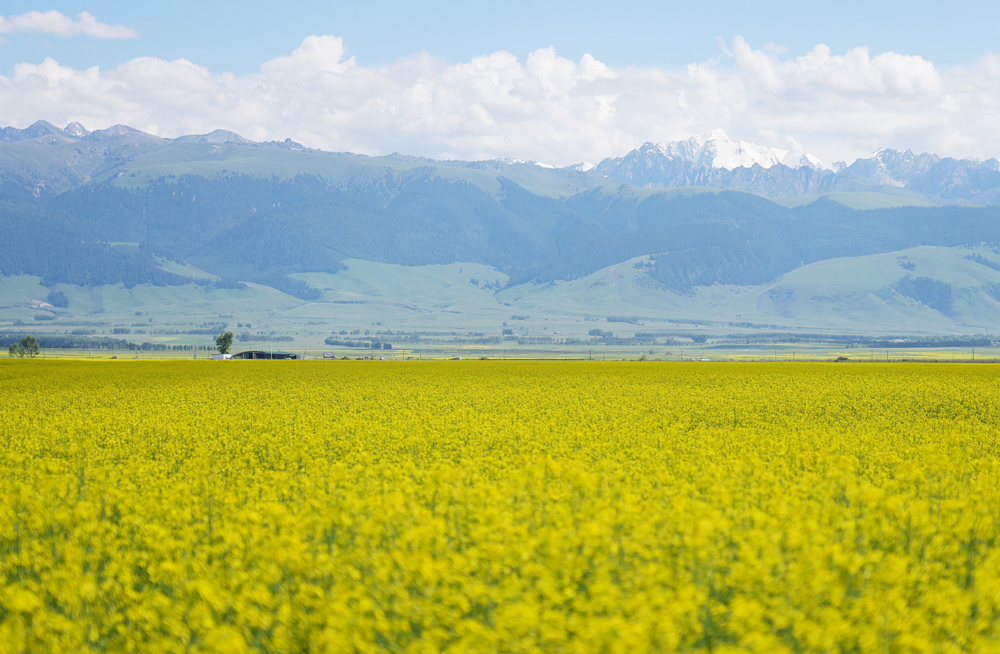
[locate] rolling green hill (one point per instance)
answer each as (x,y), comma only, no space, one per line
(926,290)
(920,290)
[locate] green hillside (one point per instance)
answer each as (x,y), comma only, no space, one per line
(924,289)
(863,200)
(209,160)
(458,296)
(55,163)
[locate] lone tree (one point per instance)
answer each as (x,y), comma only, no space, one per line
(27,347)
(223,342)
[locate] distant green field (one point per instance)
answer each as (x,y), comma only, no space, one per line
(788,353)
(446,310)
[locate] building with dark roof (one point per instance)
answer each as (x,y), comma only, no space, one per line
(261,354)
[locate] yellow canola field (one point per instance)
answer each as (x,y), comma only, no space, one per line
(498,506)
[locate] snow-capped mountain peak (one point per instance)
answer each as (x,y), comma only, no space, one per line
(715,159)
(808,161)
(717,150)
(76,130)
(888,167)
(511,161)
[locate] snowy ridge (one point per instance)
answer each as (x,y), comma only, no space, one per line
(76,130)
(714,159)
(717,150)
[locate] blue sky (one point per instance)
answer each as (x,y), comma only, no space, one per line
(670,70)
(237,37)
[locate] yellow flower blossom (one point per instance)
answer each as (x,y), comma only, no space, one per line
(155,506)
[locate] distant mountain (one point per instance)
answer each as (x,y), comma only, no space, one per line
(716,160)
(712,150)
(927,174)
(51,160)
(39,129)
(218,136)
(76,131)
(121,207)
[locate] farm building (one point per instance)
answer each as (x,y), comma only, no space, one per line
(260,354)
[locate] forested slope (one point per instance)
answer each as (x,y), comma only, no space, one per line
(263,229)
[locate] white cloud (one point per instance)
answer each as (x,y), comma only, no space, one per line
(546,107)
(54,22)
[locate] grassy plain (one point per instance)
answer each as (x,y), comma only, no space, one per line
(166,506)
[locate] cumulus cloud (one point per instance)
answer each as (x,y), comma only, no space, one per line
(545,107)
(54,22)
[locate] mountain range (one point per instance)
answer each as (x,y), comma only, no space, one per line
(713,160)
(716,160)
(215,213)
